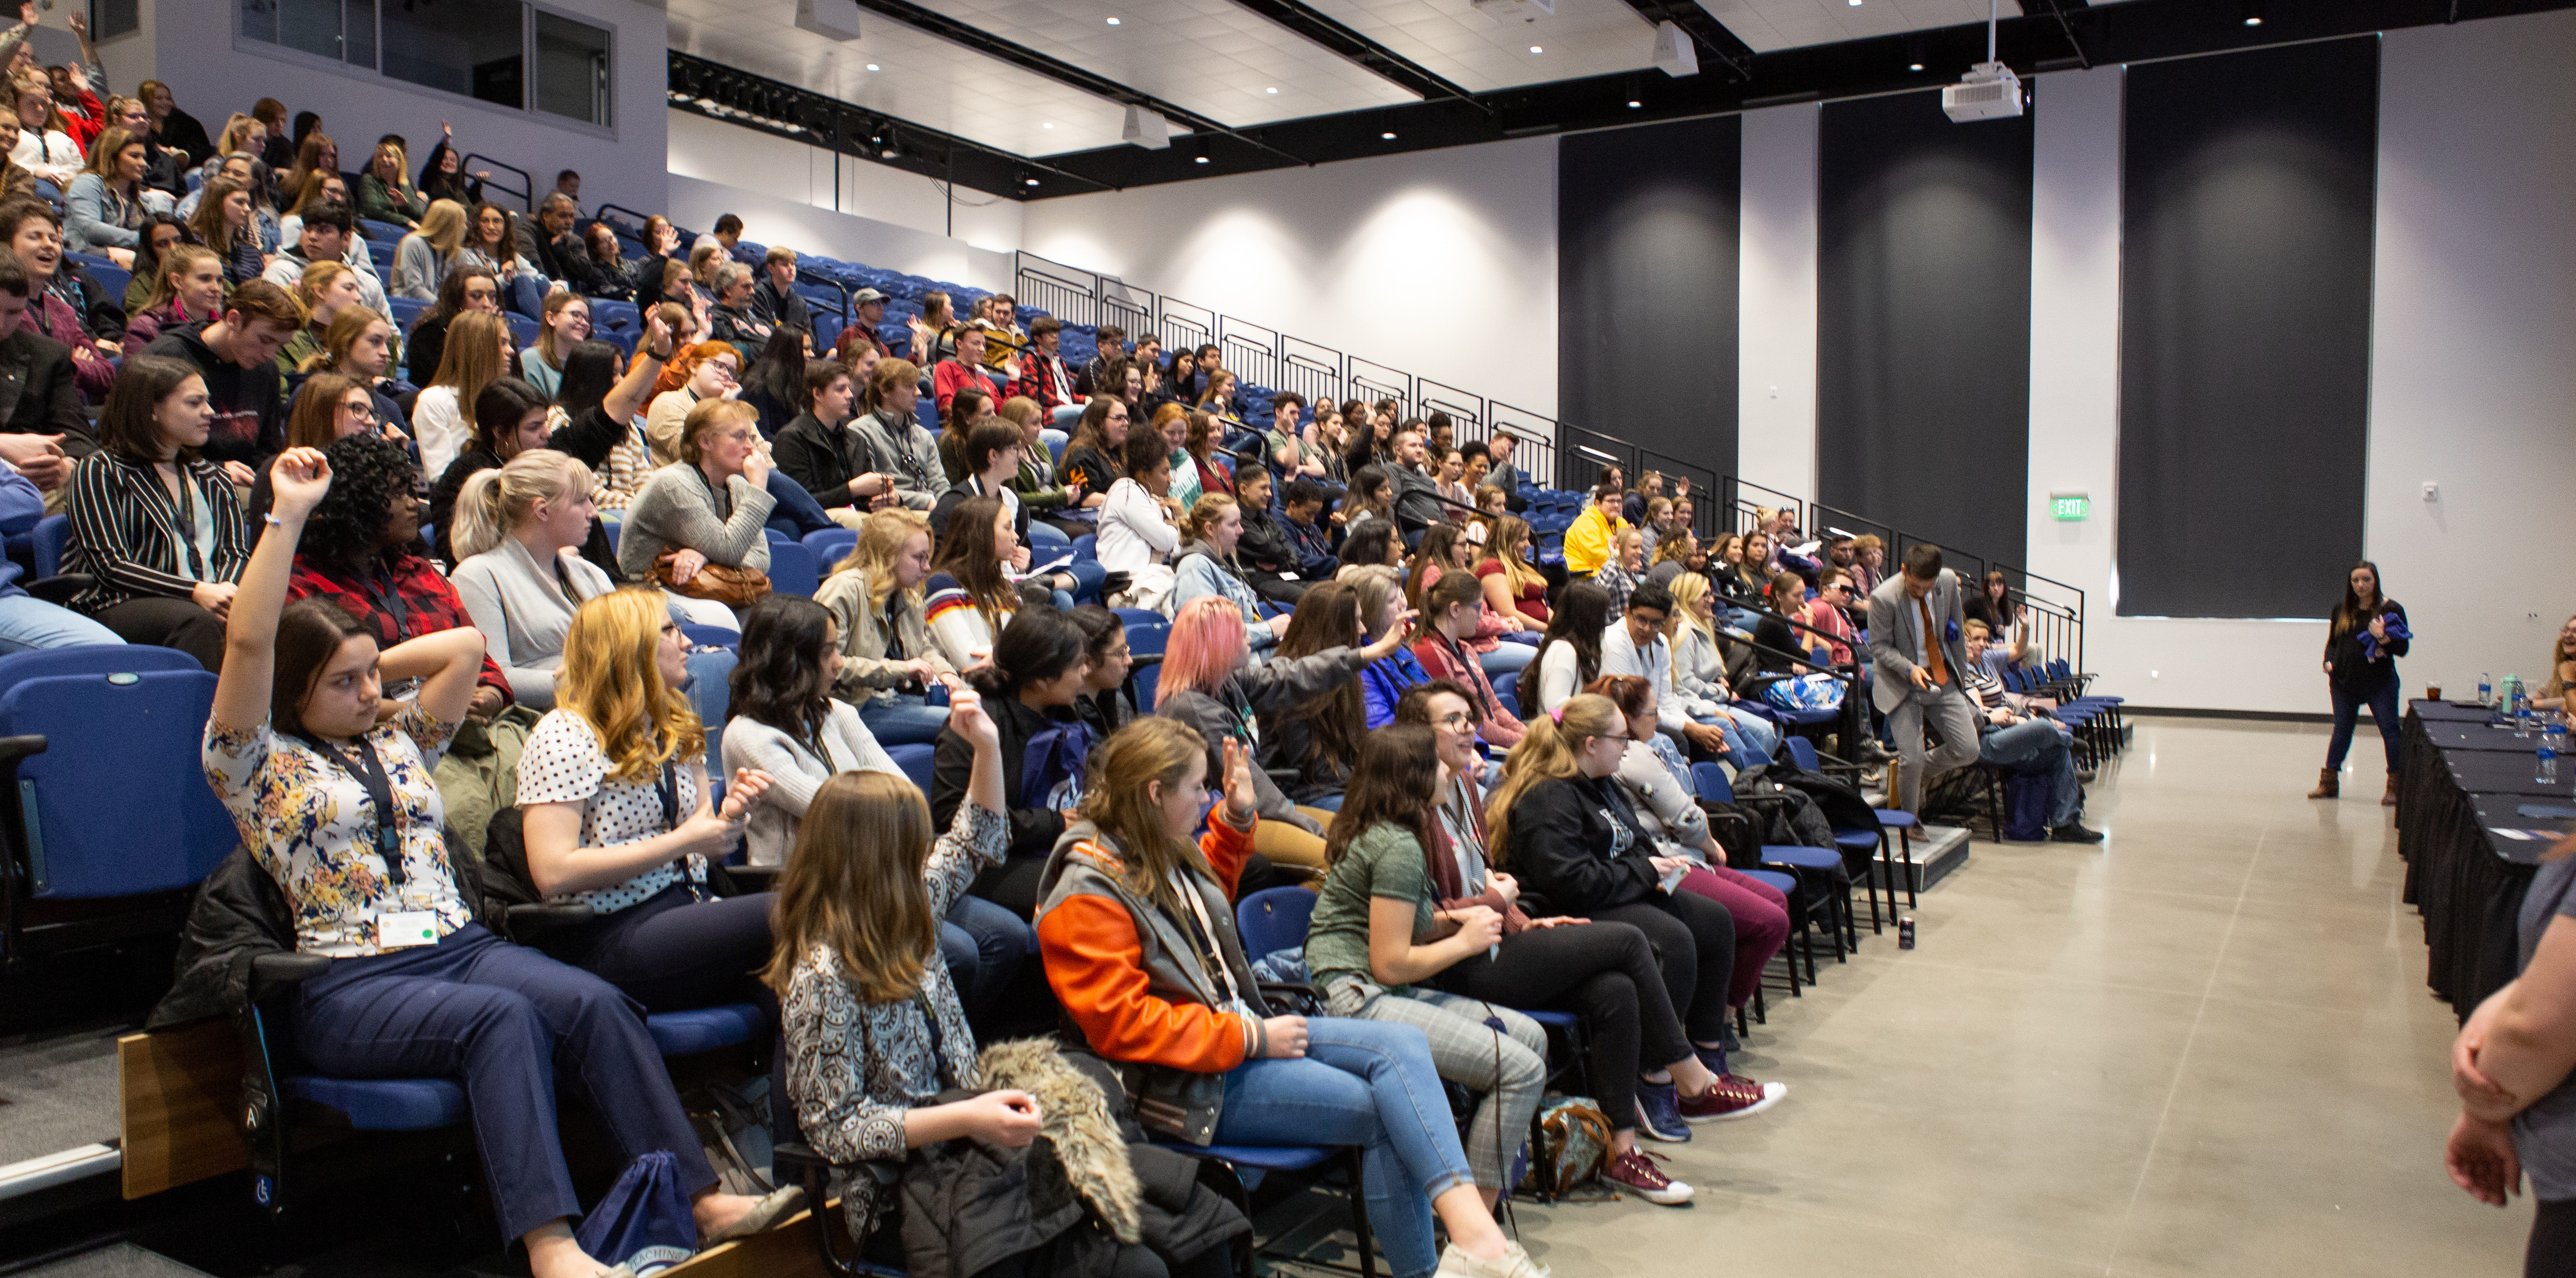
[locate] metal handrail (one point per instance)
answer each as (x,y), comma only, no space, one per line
(527,191)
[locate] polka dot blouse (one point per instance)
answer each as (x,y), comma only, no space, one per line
(563,763)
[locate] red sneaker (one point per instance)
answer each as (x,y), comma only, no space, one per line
(1734,1096)
(1635,1171)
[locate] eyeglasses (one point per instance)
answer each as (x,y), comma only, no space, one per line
(1453,720)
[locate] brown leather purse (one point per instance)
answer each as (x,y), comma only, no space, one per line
(733,587)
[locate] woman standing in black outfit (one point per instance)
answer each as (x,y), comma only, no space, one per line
(2368,634)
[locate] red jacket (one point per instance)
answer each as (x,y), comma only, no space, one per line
(948,377)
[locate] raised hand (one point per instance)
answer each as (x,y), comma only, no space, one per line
(1239,801)
(297,480)
(966,716)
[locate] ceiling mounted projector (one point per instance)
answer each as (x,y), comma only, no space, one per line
(1525,10)
(1990,91)
(1675,54)
(830,19)
(1145,127)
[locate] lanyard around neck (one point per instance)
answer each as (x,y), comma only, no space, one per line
(379,794)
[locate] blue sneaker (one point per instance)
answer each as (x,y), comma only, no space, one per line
(1659,1113)
(1712,1057)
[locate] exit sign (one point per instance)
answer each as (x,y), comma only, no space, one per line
(2070,505)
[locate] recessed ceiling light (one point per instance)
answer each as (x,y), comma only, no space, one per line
(1634,104)
(1033,181)
(873,67)
(1113,22)
(1272,89)
(1915,67)
(1202,159)
(1855,3)
(1536,49)
(1048,125)
(1388,136)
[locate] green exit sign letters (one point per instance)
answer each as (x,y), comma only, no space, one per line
(2069,505)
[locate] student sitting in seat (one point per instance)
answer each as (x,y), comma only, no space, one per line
(1029,687)
(613,792)
(364,557)
(520,528)
(1139,942)
(1135,533)
(1210,682)
(1569,655)
(297,752)
(971,598)
(154,522)
(708,508)
(1565,826)
(1383,613)
(2018,737)
(1206,566)
(1699,670)
(1452,613)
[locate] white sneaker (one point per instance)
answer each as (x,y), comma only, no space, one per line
(1514,1263)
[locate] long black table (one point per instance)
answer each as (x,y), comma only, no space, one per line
(2470,850)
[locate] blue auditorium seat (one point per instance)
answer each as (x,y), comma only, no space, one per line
(704,1029)
(792,569)
(915,761)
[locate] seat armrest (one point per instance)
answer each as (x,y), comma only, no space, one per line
(275,974)
(755,878)
(61,588)
(532,924)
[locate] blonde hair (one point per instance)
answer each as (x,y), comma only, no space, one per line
(1146,750)
(1548,752)
(882,537)
(471,360)
(1686,589)
(178,259)
(1204,515)
(444,227)
(707,415)
(853,885)
(612,682)
(1021,409)
(1375,584)
(496,499)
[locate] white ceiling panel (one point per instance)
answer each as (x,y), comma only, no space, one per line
(1213,57)
(1484,52)
(921,78)
(1767,25)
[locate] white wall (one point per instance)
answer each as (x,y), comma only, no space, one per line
(2474,351)
(194,52)
(1776,299)
(889,211)
(1440,263)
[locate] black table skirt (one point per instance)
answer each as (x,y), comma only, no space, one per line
(2467,884)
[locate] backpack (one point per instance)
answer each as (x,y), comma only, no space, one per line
(1804,692)
(1783,816)
(2025,814)
(1051,765)
(1573,1141)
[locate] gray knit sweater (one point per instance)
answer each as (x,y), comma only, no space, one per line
(677,509)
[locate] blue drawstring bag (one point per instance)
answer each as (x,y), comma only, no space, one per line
(1051,766)
(644,1223)
(1805,692)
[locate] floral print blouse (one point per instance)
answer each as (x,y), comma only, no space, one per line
(313,828)
(855,1067)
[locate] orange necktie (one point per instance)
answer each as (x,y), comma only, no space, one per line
(1932,645)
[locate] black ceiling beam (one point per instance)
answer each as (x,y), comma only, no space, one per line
(1369,54)
(1062,72)
(1703,28)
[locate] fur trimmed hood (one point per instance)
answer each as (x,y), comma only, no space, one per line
(1074,1117)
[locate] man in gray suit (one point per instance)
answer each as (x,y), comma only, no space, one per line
(1917,648)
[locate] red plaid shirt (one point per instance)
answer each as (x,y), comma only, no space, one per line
(410,587)
(1044,379)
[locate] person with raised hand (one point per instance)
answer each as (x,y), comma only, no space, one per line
(340,810)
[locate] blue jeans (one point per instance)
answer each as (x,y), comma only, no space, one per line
(525,295)
(1506,658)
(795,512)
(2384,710)
(983,944)
(1740,748)
(1760,734)
(2035,745)
(28,622)
(1365,1083)
(1087,576)
(902,720)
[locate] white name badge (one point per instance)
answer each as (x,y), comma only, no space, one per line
(402,929)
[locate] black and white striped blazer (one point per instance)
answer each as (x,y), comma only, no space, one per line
(126,531)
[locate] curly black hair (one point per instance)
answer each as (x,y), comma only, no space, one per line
(780,681)
(368,472)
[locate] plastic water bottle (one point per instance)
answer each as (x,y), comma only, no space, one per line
(2486,689)
(2521,715)
(2553,738)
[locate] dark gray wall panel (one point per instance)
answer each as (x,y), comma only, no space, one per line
(1647,248)
(2245,329)
(1923,322)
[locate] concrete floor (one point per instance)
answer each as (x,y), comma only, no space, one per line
(2204,1047)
